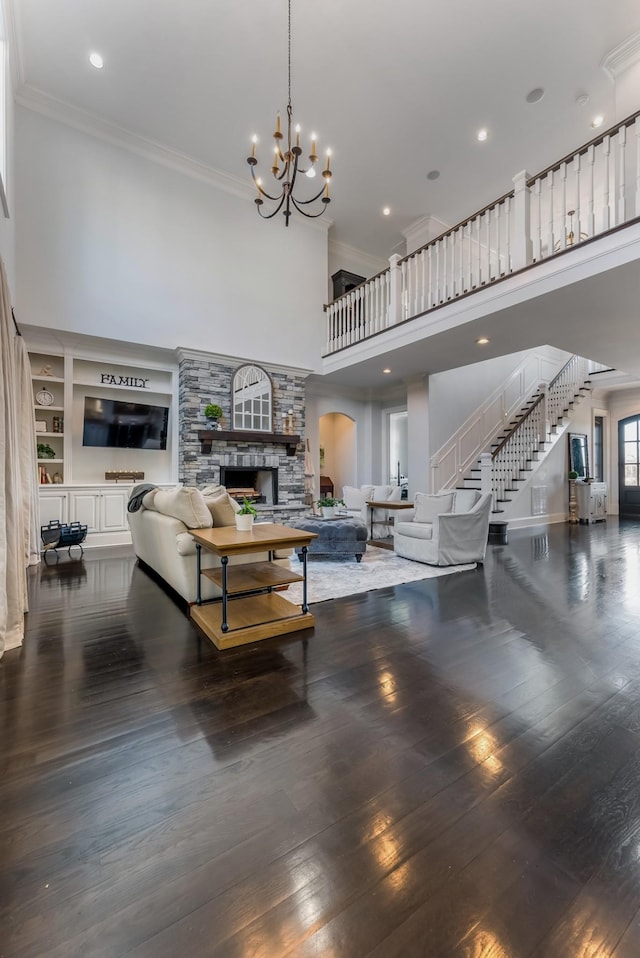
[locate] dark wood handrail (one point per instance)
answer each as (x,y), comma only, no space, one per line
(554,166)
(363,283)
(516,427)
(454,229)
(583,149)
(559,374)
(529,410)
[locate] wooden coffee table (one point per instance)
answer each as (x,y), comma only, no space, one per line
(249,609)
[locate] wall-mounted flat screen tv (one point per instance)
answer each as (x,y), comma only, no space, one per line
(124,425)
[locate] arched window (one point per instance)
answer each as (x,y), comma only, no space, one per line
(251,395)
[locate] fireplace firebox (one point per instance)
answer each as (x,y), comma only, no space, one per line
(257,484)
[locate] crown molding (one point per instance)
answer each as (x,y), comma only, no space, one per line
(374,263)
(427,223)
(625,55)
(37,101)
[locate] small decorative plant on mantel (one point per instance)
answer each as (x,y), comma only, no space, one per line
(328,506)
(245,517)
(213,412)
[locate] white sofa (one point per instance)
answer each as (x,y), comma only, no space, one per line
(450,528)
(355,503)
(161,541)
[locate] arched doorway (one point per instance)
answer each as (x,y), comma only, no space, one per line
(338,450)
(629,466)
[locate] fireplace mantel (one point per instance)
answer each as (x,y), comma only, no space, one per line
(209,436)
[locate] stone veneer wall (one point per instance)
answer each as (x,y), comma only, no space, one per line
(202,381)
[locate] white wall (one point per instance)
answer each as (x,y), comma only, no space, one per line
(626,92)
(113,244)
(454,395)
(7,224)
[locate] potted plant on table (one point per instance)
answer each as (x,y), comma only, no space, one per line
(213,412)
(245,517)
(328,506)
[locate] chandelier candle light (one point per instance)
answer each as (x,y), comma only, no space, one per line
(285,175)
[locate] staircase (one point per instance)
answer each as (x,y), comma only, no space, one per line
(529,436)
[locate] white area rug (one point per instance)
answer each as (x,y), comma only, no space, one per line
(332,578)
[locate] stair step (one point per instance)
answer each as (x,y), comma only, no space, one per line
(477,488)
(495,512)
(504,500)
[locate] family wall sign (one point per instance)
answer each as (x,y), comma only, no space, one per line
(136,382)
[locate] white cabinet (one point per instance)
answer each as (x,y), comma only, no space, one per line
(103,509)
(591,501)
(53,505)
(84,507)
(113,509)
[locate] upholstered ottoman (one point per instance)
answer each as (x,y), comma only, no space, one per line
(335,536)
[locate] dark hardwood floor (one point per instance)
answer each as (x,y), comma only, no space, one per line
(445,768)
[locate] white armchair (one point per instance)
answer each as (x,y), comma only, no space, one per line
(448,529)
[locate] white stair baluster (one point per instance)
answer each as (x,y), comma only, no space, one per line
(637,145)
(622,204)
(537,205)
(606,211)
(550,233)
(576,207)
(563,205)
(590,224)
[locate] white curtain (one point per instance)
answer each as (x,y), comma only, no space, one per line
(19,522)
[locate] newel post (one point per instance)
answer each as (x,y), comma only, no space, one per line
(544,424)
(395,290)
(486,468)
(521,243)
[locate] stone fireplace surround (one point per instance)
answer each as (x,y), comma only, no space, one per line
(205,378)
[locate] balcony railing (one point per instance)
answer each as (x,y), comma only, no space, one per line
(585,194)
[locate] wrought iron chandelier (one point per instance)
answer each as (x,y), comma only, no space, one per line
(286,166)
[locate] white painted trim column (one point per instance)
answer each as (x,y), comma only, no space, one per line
(418,435)
(521,244)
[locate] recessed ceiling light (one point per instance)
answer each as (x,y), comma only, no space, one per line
(597,121)
(96,61)
(386,371)
(433,174)
(483,341)
(534,96)
(386,211)
(481,135)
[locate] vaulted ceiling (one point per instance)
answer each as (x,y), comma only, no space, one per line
(395,89)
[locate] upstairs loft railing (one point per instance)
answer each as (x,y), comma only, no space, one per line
(587,193)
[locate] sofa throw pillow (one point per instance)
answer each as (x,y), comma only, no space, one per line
(465,500)
(223,510)
(353,497)
(186,504)
(214,490)
(381,493)
(428,507)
